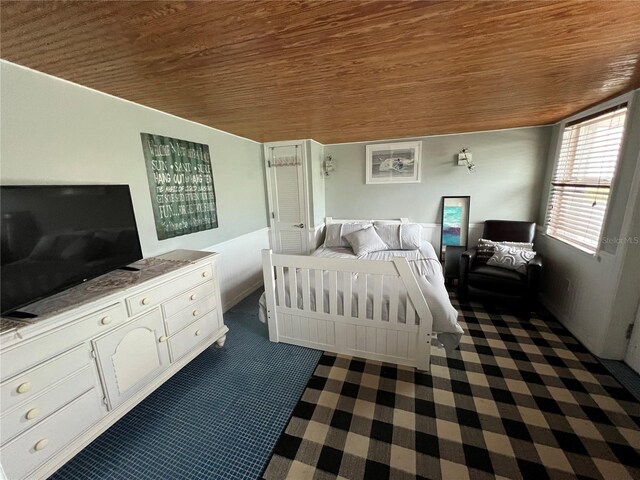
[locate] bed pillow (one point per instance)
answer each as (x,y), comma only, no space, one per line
(486,248)
(336,232)
(511,258)
(403,236)
(365,241)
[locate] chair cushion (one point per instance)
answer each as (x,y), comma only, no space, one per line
(497,279)
(509,230)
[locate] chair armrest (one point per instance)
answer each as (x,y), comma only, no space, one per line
(534,274)
(469,256)
(536,263)
(466,261)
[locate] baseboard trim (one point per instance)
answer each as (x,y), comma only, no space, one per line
(438,225)
(240,265)
(242,295)
(562,318)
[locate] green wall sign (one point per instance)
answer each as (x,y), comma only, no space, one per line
(181,185)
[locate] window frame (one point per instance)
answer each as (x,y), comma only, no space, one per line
(584,115)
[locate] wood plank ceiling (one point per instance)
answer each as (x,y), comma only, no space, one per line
(338,71)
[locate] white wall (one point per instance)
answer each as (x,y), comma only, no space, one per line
(596,296)
(626,302)
(56,132)
(505,185)
(316,161)
(240,265)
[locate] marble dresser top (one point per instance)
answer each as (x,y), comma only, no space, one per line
(100,287)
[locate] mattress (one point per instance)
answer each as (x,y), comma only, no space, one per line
(428,271)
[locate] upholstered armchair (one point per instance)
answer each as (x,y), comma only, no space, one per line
(499,284)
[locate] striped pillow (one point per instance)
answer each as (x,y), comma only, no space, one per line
(486,249)
(336,232)
(402,236)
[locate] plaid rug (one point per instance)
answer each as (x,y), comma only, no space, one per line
(520,399)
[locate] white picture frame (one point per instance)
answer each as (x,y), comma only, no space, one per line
(393,162)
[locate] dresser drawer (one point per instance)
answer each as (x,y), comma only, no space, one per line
(187,339)
(38,408)
(188,298)
(31,449)
(32,382)
(32,352)
(157,295)
(189,315)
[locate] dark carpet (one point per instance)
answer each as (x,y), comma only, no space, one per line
(218,418)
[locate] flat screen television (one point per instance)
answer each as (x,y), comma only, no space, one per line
(56,236)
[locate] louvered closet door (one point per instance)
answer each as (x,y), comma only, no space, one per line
(289,221)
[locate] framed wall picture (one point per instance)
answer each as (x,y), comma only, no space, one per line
(455,223)
(394,162)
(180,178)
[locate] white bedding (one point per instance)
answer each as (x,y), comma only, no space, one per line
(428,270)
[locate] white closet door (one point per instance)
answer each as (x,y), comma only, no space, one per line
(289,220)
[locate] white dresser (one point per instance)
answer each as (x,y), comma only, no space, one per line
(95,351)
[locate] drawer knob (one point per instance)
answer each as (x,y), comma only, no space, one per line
(195,313)
(24,387)
(145,301)
(205,274)
(198,332)
(162,339)
(42,444)
(33,413)
(193,297)
(106,320)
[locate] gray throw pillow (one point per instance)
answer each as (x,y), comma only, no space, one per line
(335,233)
(512,258)
(486,248)
(403,236)
(365,241)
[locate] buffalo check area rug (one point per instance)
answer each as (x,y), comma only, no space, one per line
(520,399)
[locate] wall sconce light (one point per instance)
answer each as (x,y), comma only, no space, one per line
(329,166)
(465,159)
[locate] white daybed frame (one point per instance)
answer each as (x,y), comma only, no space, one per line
(406,343)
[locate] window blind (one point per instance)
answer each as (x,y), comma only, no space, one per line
(582,179)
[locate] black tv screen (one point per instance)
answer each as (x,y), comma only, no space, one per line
(54,237)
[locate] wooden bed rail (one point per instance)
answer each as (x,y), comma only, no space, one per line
(300,312)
